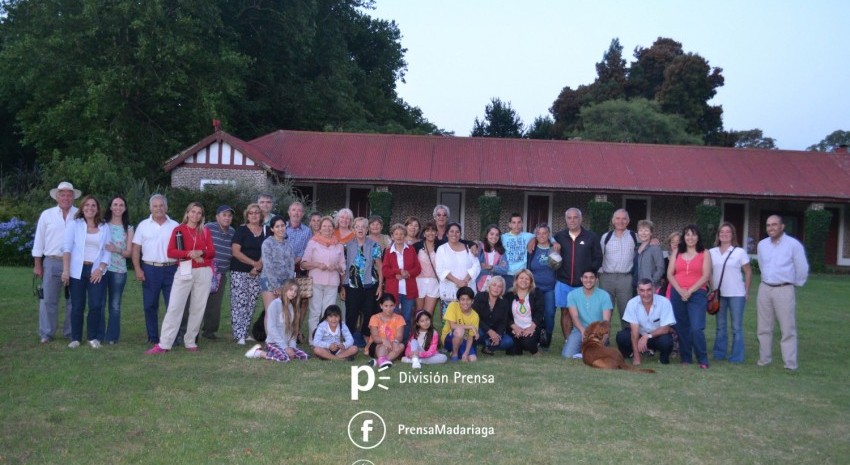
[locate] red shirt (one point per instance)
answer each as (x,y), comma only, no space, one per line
(192,240)
(389,267)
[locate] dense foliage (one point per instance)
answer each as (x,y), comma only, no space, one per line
(817,230)
(114,88)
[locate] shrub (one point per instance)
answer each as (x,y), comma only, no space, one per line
(600,214)
(16,238)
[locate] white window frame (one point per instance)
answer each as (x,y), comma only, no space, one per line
(460,215)
(215,182)
(525,207)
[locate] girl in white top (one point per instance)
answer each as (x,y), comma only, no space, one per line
(280,331)
(732,262)
(85,258)
(332,340)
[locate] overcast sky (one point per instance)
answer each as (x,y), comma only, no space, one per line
(786,63)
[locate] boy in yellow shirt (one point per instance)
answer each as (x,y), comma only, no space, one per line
(460,327)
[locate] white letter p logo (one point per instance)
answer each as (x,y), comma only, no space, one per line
(356,387)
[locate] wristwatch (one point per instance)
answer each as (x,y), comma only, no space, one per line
(649,335)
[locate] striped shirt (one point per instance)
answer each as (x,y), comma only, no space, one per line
(298,238)
(222,242)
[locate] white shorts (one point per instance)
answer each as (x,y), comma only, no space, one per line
(428,287)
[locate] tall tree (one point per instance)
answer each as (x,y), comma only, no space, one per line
(637,120)
(689,83)
(611,74)
(646,73)
(500,120)
(831,142)
(566,109)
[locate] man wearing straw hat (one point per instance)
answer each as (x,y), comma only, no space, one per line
(47,255)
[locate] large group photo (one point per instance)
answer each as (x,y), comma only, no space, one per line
(319,232)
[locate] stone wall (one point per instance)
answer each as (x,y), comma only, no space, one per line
(191,177)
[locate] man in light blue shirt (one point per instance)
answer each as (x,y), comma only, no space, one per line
(587,304)
(783,265)
(515,242)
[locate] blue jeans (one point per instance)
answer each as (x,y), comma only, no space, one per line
(733,306)
(405,309)
(690,325)
(82,291)
(572,345)
(112,303)
(158,279)
(506,342)
(549,311)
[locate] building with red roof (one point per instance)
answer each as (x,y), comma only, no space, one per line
(538,178)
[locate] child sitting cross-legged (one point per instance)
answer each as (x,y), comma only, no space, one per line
(386,330)
(280,328)
(331,339)
(423,343)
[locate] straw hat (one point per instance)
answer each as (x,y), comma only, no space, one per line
(65,186)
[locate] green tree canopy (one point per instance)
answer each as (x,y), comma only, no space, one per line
(636,120)
(831,142)
(542,128)
(500,120)
(751,139)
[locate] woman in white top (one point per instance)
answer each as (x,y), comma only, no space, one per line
(729,260)
(84,261)
(456,266)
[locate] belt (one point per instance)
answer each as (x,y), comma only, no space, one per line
(88,263)
(778,285)
(55,257)
(159,264)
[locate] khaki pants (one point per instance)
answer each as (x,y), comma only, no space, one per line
(199,288)
(777,304)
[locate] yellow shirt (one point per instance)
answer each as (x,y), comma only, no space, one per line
(456,315)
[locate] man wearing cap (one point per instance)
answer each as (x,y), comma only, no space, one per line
(153,266)
(222,236)
(47,258)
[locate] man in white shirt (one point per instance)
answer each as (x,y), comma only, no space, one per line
(651,320)
(152,265)
(47,258)
(783,265)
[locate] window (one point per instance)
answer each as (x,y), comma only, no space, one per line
(306,192)
(538,209)
(736,213)
(358,201)
(454,200)
(638,209)
(215,182)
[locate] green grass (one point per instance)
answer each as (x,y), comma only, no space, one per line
(116,405)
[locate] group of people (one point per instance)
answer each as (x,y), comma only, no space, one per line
(358,288)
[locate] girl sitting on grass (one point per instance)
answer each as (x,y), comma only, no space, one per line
(332,340)
(281,333)
(386,332)
(423,343)
(460,327)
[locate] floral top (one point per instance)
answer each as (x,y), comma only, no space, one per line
(117,262)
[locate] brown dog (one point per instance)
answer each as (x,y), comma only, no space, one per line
(595,354)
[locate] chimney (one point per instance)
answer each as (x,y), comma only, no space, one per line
(217,125)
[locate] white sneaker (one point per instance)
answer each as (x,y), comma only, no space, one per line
(95,344)
(74,344)
(241,342)
(406,360)
(250,338)
(254,352)
(416,364)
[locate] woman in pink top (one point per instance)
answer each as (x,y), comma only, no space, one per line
(688,272)
(325,261)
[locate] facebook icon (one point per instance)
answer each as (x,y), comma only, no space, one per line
(372,430)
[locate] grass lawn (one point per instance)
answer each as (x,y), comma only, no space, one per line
(116,405)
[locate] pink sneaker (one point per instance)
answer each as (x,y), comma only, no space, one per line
(155,350)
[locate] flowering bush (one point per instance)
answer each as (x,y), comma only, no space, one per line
(16,237)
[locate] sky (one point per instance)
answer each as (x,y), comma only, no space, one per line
(785,63)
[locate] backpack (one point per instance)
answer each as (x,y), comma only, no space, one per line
(258,330)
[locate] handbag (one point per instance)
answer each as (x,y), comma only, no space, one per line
(305,287)
(714,296)
(448,290)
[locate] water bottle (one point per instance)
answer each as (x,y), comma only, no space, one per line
(179,238)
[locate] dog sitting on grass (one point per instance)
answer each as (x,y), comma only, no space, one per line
(595,354)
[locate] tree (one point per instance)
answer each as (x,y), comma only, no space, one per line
(831,142)
(750,139)
(567,108)
(500,120)
(542,128)
(611,73)
(689,83)
(646,74)
(637,120)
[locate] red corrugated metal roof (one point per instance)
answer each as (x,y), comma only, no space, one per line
(555,165)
